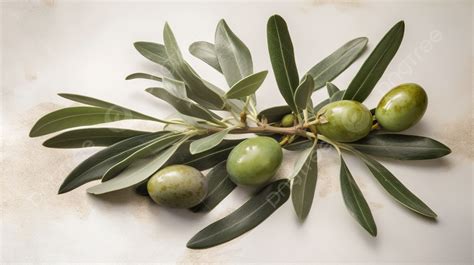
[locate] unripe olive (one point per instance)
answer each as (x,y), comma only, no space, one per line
(288,120)
(254,161)
(401,107)
(177,186)
(344,121)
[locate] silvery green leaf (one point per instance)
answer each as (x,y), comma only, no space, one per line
(304,182)
(355,201)
(75,117)
(143,76)
(332,89)
(374,66)
(107,105)
(337,96)
(331,66)
(252,213)
(177,87)
(184,106)
(209,142)
(96,165)
(196,87)
(219,186)
(282,58)
(206,52)
(150,148)
(302,97)
(91,137)
(247,86)
(274,114)
(234,57)
(154,52)
(137,172)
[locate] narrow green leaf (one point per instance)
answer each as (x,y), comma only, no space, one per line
(177,87)
(274,114)
(394,187)
(333,65)
(248,216)
(401,147)
(282,57)
(373,68)
(136,173)
(91,137)
(332,89)
(219,186)
(184,106)
(107,105)
(150,148)
(355,202)
(206,52)
(95,166)
(337,96)
(247,86)
(143,76)
(234,57)
(304,183)
(201,161)
(154,52)
(75,117)
(303,93)
(209,142)
(198,90)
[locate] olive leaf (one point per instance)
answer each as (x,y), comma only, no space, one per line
(234,57)
(177,87)
(338,61)
(75,117)
(107,105)
(143,76)
(96,165)
(197,88)
(154,52)
(274,114)
(374,66)
(205,51)
(332,89)
(401,147)
(150,148)
(219,186)
(206,143)
(282,58)
(302,97)
(137,172)
(355,201)
(184,106)
(247,86)
(91,137)
(304,182)
(248,216)
(394,187)
(337,96)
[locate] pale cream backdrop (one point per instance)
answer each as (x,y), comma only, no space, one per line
(86,48)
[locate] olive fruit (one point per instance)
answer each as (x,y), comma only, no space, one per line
(344,121)
(177,186)
(287,120)
(254,161)
(401,107)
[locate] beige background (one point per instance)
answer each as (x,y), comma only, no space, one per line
(55,46)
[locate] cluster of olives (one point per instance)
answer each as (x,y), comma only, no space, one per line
(255,161)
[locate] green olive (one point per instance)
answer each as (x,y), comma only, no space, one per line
(401,107)
(254,161)
(288,120)
(344,121)
(177,186)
